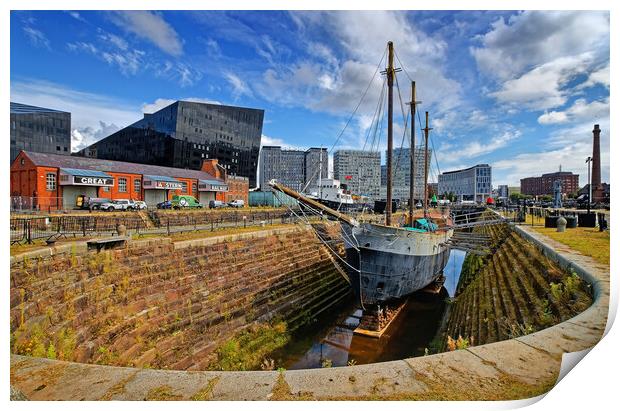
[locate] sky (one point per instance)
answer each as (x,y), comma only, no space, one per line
(520,91)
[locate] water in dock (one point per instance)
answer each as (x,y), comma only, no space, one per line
(331,341)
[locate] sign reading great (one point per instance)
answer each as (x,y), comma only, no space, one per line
(93,181)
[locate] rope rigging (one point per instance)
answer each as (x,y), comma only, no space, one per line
(360,102)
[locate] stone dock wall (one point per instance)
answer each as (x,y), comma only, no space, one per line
(516,290)
(159,304)
(517,368)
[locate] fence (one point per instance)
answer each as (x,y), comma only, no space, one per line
(26,205)
(27,230)
(537,216)
(30,229)
(165,218)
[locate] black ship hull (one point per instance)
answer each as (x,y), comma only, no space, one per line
(387,268)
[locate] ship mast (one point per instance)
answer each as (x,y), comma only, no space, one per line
(426,130)
(390,81)
(320,172)
(412,155)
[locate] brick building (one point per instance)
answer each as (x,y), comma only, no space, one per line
(238,187)
(543,185)
(51,181)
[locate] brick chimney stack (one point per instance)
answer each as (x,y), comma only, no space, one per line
(597,188)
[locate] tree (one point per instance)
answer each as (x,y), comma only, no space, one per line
(449,196)
(515,197)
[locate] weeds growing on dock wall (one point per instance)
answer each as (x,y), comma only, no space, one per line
(460,343)
(248,350)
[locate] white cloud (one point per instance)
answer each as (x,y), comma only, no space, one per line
(92,115)
(129,62)
(580,110)
(322,82)
(476,148)
(36,37)
(152,27)
(115,40)
(82,137)
(567,147)
(553,117)
(533,38)
(76,16)
(185,74)
(600,76)
(239,87)
(272,141)
(544,86)
(213,47)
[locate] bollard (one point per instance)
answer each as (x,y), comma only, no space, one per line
(29,232)
(561,224)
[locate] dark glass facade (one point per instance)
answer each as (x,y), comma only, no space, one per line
(183,134)
(39,129)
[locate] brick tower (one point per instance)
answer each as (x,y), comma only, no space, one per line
(597,188)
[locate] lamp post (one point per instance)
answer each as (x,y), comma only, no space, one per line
(589,160)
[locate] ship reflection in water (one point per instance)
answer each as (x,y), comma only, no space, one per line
(333,343)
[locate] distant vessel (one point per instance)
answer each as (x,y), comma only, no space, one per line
(389,261)
(333,194)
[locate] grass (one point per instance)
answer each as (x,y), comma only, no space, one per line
(587,241)
(23,248)
(247,350)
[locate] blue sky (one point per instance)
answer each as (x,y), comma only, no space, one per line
(518,90)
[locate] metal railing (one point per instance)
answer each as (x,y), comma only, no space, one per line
(30,205)
(538,217)
(27,230)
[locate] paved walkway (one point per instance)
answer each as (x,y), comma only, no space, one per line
(520,368)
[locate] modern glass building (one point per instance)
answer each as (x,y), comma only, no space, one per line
(469,184)
(185,133)
(39,129)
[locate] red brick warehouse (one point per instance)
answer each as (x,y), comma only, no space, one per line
(54,181)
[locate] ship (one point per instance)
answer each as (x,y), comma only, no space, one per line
(337,196)
(386,262)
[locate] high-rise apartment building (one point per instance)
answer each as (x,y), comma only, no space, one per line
(360,171)
(296,169)
(401,170)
